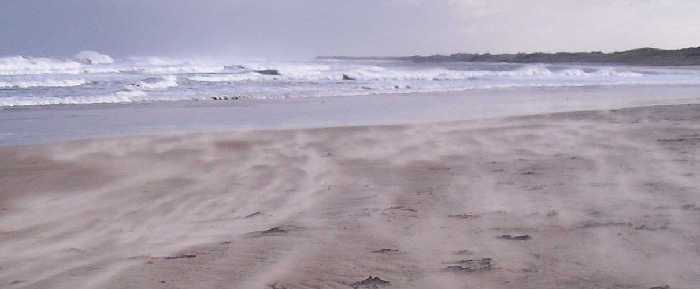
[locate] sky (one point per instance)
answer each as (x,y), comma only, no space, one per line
(307,28)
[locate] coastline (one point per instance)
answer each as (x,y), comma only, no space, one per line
(606,198)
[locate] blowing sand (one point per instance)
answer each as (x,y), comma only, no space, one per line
(607,199)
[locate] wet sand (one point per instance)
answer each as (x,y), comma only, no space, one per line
(600,199)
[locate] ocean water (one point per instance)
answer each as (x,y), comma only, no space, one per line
(90,77)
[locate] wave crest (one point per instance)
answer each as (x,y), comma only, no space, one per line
(92,58)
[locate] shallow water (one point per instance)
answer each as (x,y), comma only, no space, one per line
(47,124)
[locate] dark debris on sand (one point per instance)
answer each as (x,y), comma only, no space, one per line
(276,286)
(691,140)
(386,251)
(183,256)
(515,237)
(275,231)
(370,283)
(471,265)
(463,216)
(258,213)
(402,208)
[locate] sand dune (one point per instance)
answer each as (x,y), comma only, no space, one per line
(607,199)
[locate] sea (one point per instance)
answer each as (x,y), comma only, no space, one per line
(93,78)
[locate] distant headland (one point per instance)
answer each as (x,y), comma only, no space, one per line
(640,56)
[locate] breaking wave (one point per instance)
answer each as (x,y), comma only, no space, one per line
(376,73)
(20,65)
(155,83)
(92,57)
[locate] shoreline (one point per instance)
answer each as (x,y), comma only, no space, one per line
(223,132)
(58,124)
(581,199)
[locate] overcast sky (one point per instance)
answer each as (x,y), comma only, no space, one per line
(305,28)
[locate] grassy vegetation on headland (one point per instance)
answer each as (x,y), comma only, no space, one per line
(640,56)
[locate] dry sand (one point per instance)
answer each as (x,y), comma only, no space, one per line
(607,199)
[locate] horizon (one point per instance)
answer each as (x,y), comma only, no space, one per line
(209,58)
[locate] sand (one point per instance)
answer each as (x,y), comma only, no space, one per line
(600,199)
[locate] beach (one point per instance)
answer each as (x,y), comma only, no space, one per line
(608,198)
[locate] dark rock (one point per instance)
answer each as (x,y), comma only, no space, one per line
(370,283)
(348,78)
(515,237)
(661,287)
(268,72)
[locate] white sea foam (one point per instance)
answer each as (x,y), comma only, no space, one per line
(250,76)
(42,83)
(19,65)
(155,83)
(181,69)
(119,97)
